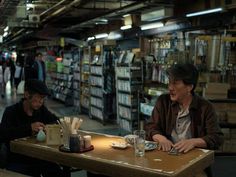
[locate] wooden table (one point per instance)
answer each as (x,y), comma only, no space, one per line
(116,162)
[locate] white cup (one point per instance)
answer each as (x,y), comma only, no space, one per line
(87,141)
(139,143)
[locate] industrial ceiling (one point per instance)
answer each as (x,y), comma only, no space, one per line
(45,19)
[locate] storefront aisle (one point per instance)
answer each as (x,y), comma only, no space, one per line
(61,110)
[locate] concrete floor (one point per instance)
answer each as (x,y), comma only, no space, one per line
(224,166)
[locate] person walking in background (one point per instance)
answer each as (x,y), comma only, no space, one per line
(12,71)
(1,78)
(39,69)
(181,120)
(18,75)
(5,75)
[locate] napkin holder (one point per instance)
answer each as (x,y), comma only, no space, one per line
(53,135)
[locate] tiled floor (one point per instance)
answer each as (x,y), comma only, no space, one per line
(223,166)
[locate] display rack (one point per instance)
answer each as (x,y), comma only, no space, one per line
(63,80)
(102,94)
(84,82)
(129,80)
(77,79)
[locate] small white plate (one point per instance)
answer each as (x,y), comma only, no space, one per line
(119,145)
(150,145)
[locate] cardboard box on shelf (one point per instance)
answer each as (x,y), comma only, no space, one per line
(215,90)
(231,117)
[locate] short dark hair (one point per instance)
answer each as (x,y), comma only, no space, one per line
(186,72)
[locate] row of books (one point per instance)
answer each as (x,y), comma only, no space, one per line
(96,112)
(127,99)
(128,113)
(96,70)
(124,85)
(126,125)
(76,76)
(67,62)
(62,76)
(94,80)
(96,91)
(96,102)
(128,72)
(76,94)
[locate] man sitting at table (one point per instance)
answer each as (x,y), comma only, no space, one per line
(24,119)
(182,120)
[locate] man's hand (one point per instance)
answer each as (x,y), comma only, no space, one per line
(189,144)
(36,126)
(164,143)
(185,145)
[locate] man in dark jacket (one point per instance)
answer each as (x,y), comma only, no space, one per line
(181,119)
(25,119)
(39,68)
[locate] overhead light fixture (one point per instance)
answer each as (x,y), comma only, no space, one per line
(157,14)
(6,28)
(101,21)
(126,15)
(90,38)
(126,27)
(102,35)
(204,12)
(114,35)
(30,6)
(152,25)
(5,34)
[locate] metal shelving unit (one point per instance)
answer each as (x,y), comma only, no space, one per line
(129,81)
(102,85)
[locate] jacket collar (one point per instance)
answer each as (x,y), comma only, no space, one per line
(193,105)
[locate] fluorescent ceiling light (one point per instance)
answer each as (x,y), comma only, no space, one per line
(126,27)
(157,14)
(5,34)
(101,21)
(204,12)
(126,15)
(151,26)
(114,35)
(6,29)
(29,6)
(102,35)
(90,38)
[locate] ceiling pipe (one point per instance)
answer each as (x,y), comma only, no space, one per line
(53,7)
(120,11)
(61,10)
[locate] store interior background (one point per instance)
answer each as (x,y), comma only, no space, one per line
(102,63)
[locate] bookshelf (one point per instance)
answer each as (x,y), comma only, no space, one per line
(84,80)
(102,85)
(129,81)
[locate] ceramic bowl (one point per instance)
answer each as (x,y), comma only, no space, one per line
(129,139)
